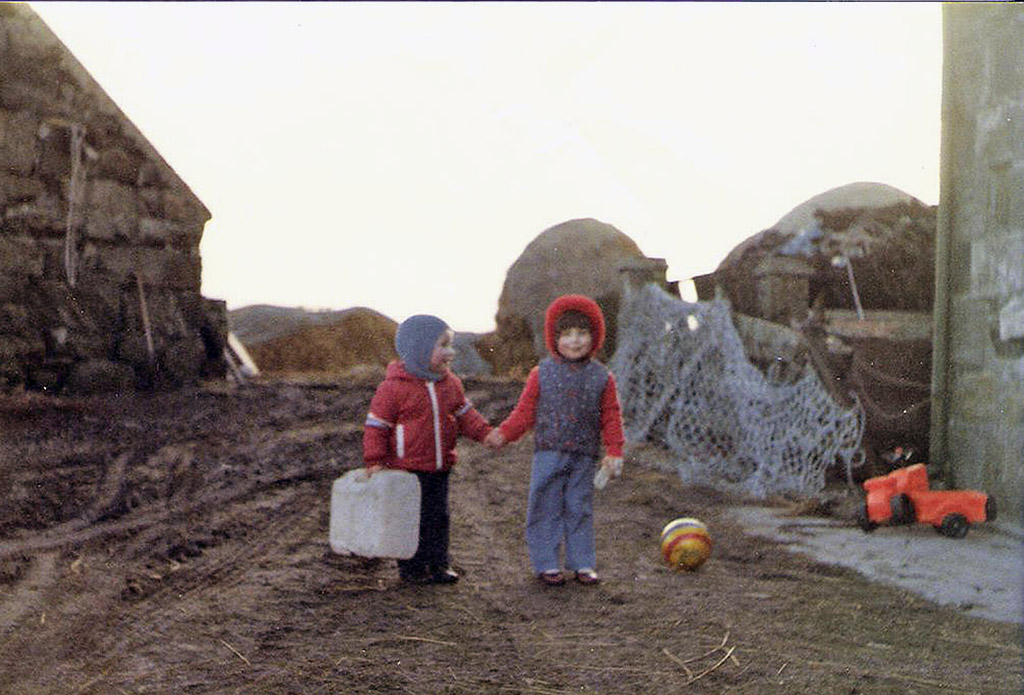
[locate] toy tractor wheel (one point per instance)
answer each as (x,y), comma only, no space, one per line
(902,509)
(990,509)
(863,521)
(953,526)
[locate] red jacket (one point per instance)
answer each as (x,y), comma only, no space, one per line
(414,424)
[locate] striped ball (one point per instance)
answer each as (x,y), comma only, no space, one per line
(685,544)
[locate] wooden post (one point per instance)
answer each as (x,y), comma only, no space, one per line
(145,320)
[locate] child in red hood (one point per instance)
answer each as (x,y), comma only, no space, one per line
(416,417)
(571,401)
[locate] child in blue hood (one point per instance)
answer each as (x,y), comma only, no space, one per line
(416,417)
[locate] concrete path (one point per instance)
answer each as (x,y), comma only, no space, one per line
(982,574)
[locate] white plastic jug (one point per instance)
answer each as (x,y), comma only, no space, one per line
(377,516)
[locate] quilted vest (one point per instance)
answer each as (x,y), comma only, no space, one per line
(568,415)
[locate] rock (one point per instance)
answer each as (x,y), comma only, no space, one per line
(468,361)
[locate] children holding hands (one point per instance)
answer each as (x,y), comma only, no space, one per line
(570,401)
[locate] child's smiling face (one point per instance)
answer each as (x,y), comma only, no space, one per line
(574,343)
(443,353)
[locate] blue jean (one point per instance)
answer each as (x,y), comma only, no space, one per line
(561,510)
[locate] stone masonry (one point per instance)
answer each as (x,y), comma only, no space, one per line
(99,238)
(978,372)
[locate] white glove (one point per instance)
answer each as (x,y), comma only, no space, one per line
(611,467)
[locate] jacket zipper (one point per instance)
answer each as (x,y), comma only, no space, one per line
(439,463)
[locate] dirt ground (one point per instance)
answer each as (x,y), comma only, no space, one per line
(177,543)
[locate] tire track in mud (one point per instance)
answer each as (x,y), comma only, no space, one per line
(86,528)
(284,495)
(489,518)
(80,531)
(27,591)
(257,522)
(471,637)
(110,487)
(110,615)
(45,625)
(192,593)
(464,639)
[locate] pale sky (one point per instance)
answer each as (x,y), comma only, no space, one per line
(401,156)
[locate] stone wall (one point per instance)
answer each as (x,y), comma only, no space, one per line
(978,375)
(99,238)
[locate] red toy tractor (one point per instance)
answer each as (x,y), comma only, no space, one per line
(903,497)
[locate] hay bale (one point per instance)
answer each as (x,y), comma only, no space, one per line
(888,235)
(258,323)
(579,256)
(352,338)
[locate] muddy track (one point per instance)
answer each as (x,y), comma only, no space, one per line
(108,500)
(193,558)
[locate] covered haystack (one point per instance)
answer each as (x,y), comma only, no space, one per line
(888,237)
(322,342)
(579,256)
(852,271)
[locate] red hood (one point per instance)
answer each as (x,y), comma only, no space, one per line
(580,303)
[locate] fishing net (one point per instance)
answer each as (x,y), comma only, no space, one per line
(685,382)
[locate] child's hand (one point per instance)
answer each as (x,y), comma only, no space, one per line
(370,470)
(611,467)
(495,440)
(613,464)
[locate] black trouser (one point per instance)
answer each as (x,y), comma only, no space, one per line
(432,551)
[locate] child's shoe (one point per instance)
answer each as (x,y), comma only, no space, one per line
(444,575)
(587,576)
(551,578)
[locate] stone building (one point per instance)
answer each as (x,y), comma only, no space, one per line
(99,238)
(978,363)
